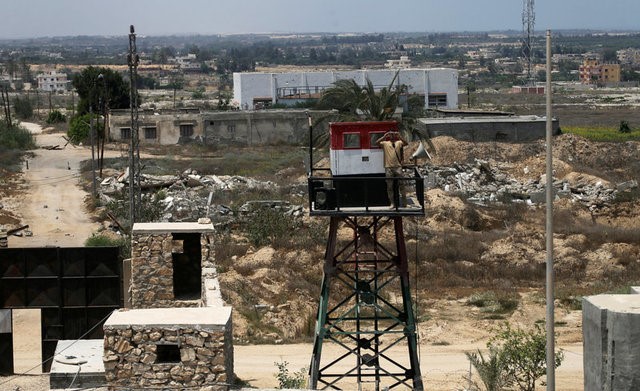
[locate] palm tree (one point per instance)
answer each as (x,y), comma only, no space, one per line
(362,103)
(492,369)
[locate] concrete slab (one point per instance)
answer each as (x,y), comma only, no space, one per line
(211,318)
(154,228)
(635,290)
(71,355)
(628,304)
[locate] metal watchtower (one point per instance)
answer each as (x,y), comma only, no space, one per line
(365,304)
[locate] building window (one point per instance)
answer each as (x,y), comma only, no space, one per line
(437,100)
(186,130)
(150,133)
(125,133)
(231,128)
(351,140)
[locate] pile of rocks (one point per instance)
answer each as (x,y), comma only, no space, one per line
(484,183)
(188,195)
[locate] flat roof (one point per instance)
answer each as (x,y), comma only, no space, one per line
(617,303)
(202,317)
(172,227)
(481,119)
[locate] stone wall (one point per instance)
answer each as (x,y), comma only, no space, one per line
(152,269)
(133,357)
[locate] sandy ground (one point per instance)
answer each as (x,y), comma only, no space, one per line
(54,209)
(53,206)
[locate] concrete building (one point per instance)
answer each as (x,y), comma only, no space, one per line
(53,82)
(489,128)
(438,86)
(611,339)
(403,63)
(594,72)
(242,128)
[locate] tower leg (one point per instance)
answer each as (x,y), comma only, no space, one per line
(355,311)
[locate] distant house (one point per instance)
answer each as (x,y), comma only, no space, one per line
(253,90)
(594,72)
(52,82)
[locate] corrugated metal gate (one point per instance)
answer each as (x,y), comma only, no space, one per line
(75,288)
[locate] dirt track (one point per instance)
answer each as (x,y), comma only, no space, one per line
(53,206)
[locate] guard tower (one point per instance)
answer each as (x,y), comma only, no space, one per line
(365,303)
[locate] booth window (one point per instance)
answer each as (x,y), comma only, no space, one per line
(375,136)
(351,140)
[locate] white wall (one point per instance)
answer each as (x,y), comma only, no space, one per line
(247,86)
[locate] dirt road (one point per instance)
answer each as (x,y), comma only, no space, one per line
(443,367)
(53,206)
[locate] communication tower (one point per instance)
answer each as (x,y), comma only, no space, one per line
(528,23)
(365,305)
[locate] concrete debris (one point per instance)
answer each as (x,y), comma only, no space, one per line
(187,196)
(482,183)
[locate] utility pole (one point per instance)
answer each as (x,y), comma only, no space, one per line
(133,60)
(94,192)
(550,297)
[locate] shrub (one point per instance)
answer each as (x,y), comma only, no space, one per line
(624,127)
(56,117)
(286,380)
(15,137)
(80,126)
(524,354)
(23,107)
(270,226)
(495,304)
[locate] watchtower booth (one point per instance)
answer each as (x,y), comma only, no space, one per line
(365,264)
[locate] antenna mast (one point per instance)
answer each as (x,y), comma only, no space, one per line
(528,22)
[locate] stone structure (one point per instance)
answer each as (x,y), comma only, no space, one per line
(172,266)
(611,338)
(177,334)
(174,348)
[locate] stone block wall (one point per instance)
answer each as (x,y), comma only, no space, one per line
(152,270)
(132,356)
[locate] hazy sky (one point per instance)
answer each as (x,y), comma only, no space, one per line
(38,18)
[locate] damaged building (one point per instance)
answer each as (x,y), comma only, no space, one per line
(254,128)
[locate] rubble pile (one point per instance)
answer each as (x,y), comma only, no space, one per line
(484,183)
(188,196)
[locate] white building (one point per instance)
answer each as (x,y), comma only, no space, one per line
(438,86)
(52,82)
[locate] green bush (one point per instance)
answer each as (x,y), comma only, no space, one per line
(97,240)
(295,380)
(23,107)
(15,137)
(56,117)
(624,127)
(268,226)
(80,126)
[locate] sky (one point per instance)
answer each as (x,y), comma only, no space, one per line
(42,18)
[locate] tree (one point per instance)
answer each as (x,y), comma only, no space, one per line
(524,354)
(92,90)
(355,102)
(80,126)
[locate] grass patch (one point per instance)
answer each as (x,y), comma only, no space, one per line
(495,303)
(602,133)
